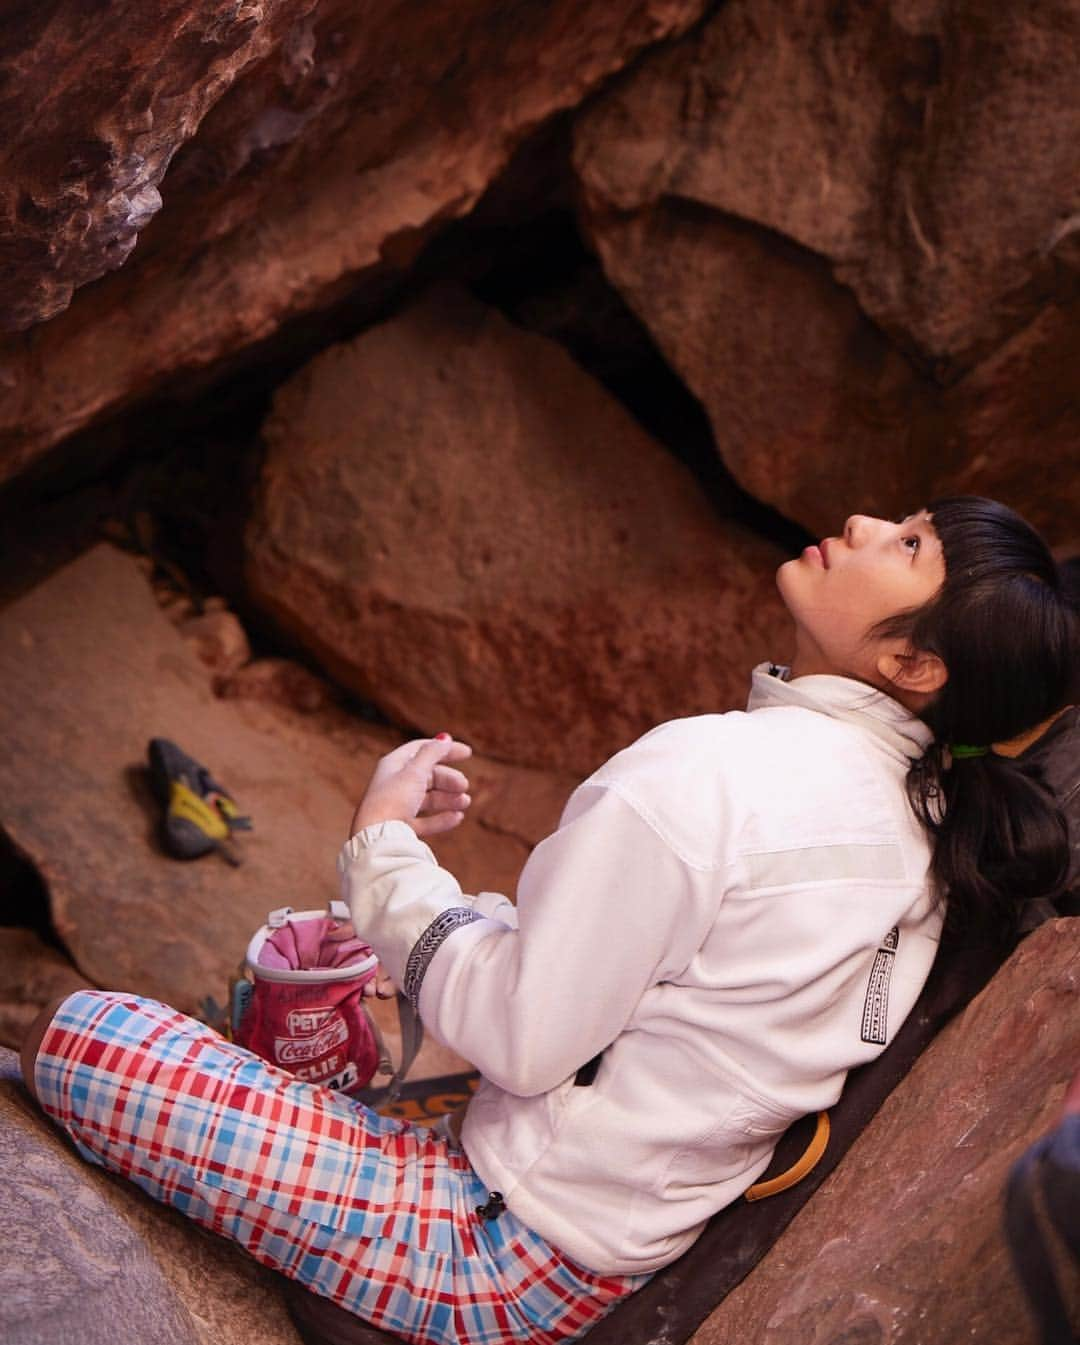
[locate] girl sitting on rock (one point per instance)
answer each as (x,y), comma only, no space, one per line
(734,911)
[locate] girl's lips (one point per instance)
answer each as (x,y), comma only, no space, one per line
(814,555)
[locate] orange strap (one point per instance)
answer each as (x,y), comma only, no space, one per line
(798,1170)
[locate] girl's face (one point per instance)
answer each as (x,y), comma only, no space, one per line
(837,592)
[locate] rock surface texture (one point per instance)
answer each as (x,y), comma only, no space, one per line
(137,83)
(31,974)
(903,1244)
(812,408)
(90,670)
(307,146)
(91,1259)
(494,546)
(931,151)
(826,215)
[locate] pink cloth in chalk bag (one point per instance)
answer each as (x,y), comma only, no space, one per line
(314,1027)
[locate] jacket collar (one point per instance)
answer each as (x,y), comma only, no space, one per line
(903,734)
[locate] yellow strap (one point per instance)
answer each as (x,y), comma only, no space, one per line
(225,806)
(798,1170)
(184,803)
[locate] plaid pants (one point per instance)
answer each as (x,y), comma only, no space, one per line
(371,1212)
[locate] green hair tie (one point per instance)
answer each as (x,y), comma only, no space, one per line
(959,751)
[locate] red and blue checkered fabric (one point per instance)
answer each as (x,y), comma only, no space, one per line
(374,1213)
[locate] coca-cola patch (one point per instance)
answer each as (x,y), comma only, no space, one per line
(291,1051)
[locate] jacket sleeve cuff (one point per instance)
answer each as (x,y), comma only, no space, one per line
(404,904)
(399,833)
(492,904)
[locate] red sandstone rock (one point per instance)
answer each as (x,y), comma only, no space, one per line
(812,409)
(1014,424)
(90,669)
(930,152)
(903,1243)
(740,180)
(279,681)
(315,146)
(96,102)
(465,528)
(218,639)
(31,974)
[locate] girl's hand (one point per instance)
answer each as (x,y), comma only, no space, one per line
(380,986)
(415,783)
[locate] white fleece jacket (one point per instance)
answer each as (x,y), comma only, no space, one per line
(735,910)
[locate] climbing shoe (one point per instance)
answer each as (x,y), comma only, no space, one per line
(200,816)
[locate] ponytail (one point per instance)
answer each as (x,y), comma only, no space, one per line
(1000,838)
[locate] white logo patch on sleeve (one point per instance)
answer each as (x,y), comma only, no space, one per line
(875,1015)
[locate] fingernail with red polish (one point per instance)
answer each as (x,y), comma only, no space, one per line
(442,736)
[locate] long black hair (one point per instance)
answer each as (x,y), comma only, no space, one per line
(1007,632)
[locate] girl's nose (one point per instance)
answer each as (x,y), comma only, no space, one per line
(862,528)
(856,529)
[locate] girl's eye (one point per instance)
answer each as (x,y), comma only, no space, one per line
(911,542)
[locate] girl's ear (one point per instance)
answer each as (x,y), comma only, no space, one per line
(913,670)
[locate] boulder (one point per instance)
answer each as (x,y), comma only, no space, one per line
(1011,427)
(812,408)
(267,157)
(86,152)
(930,152)
(465,528)
(90,670)
(826,216)
(904,1241)
(90,1258)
